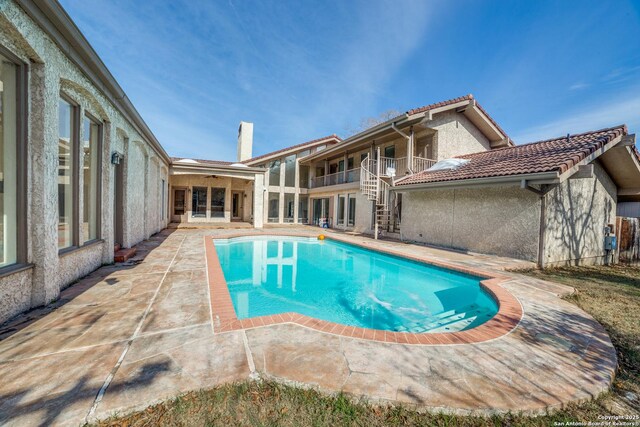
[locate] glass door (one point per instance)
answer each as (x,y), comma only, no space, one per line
(236,205)
(179,197)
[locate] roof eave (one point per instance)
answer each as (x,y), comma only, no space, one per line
(532,179)
(213,168)
(278,154)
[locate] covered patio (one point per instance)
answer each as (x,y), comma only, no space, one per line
(209,192)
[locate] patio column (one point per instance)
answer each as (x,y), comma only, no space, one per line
(344,167)
(410,149)
(258,200)
(326,171)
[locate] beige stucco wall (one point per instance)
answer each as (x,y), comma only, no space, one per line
(456,135)
(577,213)
(501,220)
(15,294)
(50,72)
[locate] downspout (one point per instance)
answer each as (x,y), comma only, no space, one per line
(543,227)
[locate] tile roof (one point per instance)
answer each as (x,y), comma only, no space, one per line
(468,97)
(552,155)
(302,145)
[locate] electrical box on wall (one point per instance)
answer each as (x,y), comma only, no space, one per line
(610,243)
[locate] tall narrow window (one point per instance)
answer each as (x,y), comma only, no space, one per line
(199,202)
(341,207)
(290,171)
(217,202)
(8,162)
(289,204)
(351,214)
(91,176)
(303,176)
(274,172)
(303,209)
(163,207)
(66,151)
(273,213)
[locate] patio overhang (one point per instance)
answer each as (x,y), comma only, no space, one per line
(241,172)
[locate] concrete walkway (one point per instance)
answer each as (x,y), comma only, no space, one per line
(133,334)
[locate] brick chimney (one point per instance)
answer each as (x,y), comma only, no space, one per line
(245,141)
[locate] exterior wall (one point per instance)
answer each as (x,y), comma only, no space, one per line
(577,213)
(15,294)
(503,220)
(51,73)
(456,135)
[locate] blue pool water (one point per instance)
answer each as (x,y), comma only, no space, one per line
(350,285)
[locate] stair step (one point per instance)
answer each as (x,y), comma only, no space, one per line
(116,247)
(124,254)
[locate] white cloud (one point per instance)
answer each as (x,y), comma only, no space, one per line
(624,110)
(578,86)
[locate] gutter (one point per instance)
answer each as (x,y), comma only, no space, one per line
(213,168)
(56,23)
(536,178)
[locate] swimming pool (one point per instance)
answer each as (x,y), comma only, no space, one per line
(350,285)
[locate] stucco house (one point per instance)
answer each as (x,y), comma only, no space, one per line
(552,202)
(81,174)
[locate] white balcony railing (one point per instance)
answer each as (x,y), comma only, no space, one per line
(352,175)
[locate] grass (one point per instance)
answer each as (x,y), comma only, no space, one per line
(609,294)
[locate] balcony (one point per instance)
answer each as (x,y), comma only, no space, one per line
(352,175)
(399,166)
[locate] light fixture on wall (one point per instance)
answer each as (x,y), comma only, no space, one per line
(116,158)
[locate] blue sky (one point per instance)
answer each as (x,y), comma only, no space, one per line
(301,70)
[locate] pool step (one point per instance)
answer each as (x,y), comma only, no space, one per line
(451,320)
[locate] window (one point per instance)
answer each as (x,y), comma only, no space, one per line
(341,166)
(363,156)
(303,176)
(274,173)
(162,207)
(199,202)
(217,202)
(320,148)
(91,179)
(9,161)
(319,170)
(320,212)
(289,203)
(350,163)
(303,209)
(341,206)
(66,173)
(351,213)
(274,208)
(390,151)
(290,171)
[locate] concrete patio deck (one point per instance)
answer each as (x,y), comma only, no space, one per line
(129,335)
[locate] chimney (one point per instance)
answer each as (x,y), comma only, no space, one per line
(245,141)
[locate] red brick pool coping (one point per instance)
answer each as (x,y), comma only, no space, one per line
(225,318)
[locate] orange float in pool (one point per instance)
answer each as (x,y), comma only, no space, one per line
(321,237)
